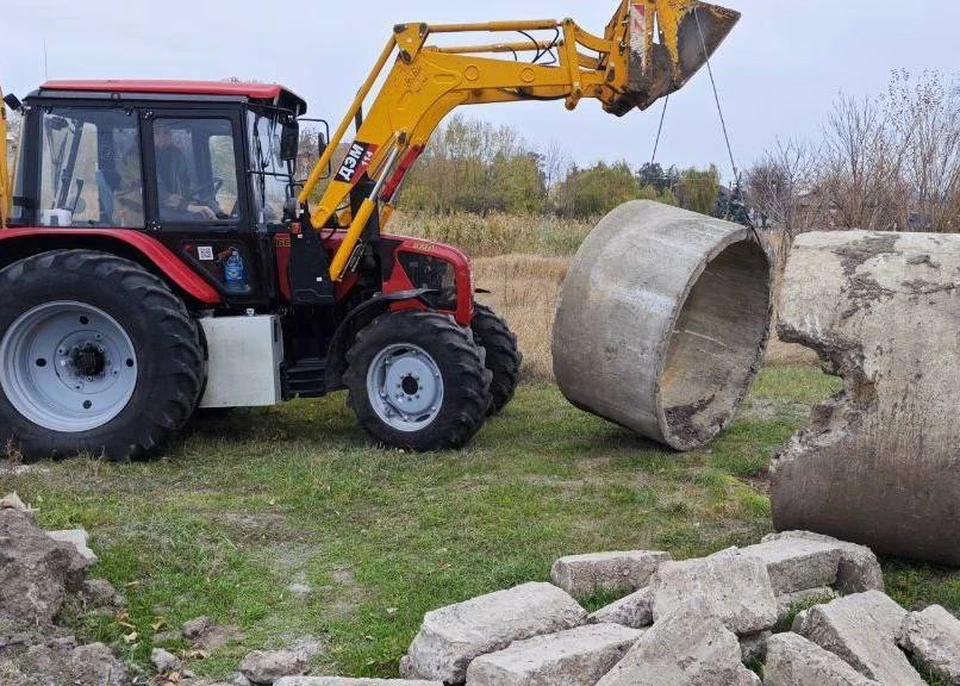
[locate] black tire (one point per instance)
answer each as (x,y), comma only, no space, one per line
(459,359)
(503,355)
(164,337)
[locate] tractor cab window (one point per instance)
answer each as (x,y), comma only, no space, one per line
(272,176)
(90,168)
(196,170)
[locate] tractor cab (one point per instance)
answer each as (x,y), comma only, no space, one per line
(205,168)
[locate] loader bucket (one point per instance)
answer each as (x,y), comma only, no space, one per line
(669,42)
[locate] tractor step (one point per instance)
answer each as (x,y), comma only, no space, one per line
(307,378)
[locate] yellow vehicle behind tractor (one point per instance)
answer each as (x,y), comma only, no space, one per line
(158,254)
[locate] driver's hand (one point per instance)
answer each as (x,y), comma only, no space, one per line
(203,211)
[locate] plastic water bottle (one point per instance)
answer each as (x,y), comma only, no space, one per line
(233,271)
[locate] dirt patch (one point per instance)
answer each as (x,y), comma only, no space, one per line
(248,522)
(852,255)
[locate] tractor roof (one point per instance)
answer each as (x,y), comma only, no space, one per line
(272,92)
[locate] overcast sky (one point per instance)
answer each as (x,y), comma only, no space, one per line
(778,72)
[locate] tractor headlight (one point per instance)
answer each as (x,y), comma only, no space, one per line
(425,271)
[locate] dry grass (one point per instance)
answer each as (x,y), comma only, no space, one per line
(524,292)
(497,234)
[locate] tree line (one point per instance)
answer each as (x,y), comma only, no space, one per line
(473,166)
(888,163)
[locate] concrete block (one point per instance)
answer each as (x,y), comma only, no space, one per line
(862,629)
(451,637)
(616,572)
(735,586)
(877,465)
(78,539)
(688,646)
(797,564)
(792,660)
(577,657)
(859,569)
(662,321)
(933,638)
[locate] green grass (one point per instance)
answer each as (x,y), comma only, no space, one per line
(242,507)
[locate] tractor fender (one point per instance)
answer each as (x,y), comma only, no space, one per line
(358,318)
(16,244)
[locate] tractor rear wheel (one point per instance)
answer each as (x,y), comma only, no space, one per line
(417,381)
(97,356)
(503,356)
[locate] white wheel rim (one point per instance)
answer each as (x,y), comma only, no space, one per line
(405,387)
(68,366)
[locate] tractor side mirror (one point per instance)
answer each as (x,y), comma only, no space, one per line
(290,141)
(13,102)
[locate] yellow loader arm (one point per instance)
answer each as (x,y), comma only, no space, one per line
(6,183)
(649,49)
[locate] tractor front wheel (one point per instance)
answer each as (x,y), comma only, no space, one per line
(503,356)
(417,381)
(97,356)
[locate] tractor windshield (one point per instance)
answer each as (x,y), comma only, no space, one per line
(90,168)
(272,176)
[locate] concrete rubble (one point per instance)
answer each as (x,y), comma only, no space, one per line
(36,572)
(859,569)
(933,638)
(862,629)
(689,645)
(703,621)
(577,657)
(796,564)
(735,585)
(614,572)
(164,661)
(792,660)
(878,463)
(78,538)
(267,666)
(662,321)
(39,577)
(451,637)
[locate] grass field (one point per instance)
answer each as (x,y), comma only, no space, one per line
(242,507)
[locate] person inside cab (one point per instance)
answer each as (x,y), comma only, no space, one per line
(177,196)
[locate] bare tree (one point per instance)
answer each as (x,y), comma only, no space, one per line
(925,116)
(861,167)
(556,163)
(782,187)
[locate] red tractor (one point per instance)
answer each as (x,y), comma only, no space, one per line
(159,256)
(149,271)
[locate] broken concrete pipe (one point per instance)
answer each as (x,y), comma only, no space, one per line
(662,322)
(879,464)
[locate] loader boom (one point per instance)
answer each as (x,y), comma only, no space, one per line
(6,183)
(649,49)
